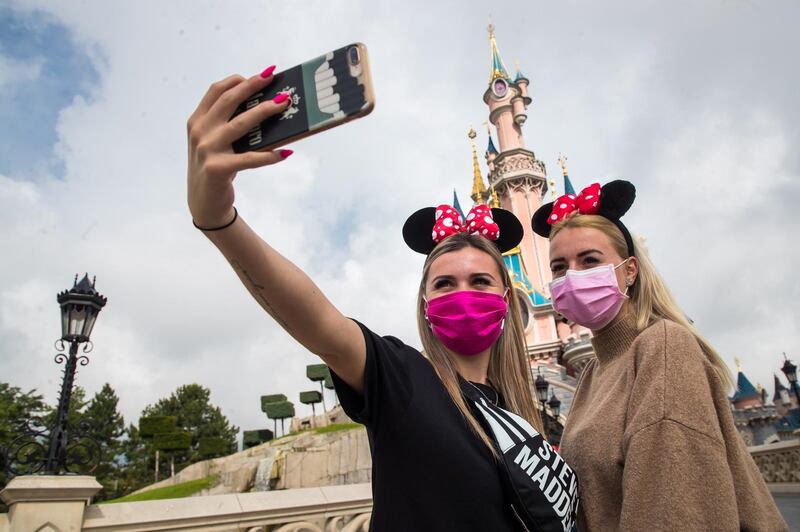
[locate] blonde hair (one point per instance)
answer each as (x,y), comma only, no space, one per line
(509,370)
(650,299)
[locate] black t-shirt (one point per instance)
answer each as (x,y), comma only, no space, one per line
(429,470)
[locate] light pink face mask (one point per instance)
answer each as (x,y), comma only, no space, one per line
(588,297)
(467,322)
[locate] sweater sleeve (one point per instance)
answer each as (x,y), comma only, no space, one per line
(683,456)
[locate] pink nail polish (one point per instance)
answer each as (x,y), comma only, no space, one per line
(281,97)
(285,153)
(268,72)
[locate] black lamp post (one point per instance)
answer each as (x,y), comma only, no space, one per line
(790,370)
(555,405)
(541,386)
(79,308)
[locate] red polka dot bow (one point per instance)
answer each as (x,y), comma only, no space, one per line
(587,202)
(449,222)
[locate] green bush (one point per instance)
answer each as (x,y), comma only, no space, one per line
(312,397)
(173,441)
(212,446)
(274,398)
(317,372)
(281,410)
(329,381)
(251,438)
(152,425)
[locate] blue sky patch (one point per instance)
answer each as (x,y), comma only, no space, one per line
(45,69)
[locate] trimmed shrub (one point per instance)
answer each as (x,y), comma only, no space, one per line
(329,381)
(281,410)
(212,446)
(173,441)
(152,425)
(274,398)
(317,372)
(251,438)
(312,397)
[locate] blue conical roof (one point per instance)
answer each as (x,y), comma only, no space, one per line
(568,188)
(779,387)
(744,389)
(457,205)
(491,148)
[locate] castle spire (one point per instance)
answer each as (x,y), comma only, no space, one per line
(568,188)
(478,188)
(498,67)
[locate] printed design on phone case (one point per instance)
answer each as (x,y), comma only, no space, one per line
(293,108)
(336,92)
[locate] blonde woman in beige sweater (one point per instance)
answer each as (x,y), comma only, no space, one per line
(650,432)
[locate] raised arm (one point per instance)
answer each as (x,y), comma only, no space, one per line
(280,287)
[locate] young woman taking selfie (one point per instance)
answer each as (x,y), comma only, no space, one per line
(650,431)
(454,433)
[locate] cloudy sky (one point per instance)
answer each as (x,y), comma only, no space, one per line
(695,102)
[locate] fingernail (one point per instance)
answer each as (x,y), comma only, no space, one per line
(280,97)
(285,153)
(268,72)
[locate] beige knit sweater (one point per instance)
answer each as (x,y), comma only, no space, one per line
(651,436)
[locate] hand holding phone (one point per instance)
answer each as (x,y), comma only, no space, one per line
(324,92)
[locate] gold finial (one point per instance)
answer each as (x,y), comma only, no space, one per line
(516,63)
(478,188)
(758,387)
(495,199)
(563,160)
(490,27)
(738,364)
(553,188)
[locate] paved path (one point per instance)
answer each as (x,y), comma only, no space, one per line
(789,505)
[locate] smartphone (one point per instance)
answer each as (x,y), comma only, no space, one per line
(325,92)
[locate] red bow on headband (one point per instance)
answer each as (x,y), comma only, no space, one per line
(587,202)
(449,222)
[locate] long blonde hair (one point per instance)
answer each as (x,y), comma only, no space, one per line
(509,369)
(650,299)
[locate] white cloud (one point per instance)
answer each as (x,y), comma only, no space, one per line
(610,91)
(14,72)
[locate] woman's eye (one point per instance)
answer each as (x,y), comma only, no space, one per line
(482,280)
(590,260)
(441,283)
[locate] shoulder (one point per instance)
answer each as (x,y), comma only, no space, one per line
(389,346)
(665,344)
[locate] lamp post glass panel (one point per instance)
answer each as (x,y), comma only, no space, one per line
(28,453)
(541,386)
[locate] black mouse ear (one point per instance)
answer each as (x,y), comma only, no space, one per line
(511,230)
(539,221)
(418,228)
(616,198)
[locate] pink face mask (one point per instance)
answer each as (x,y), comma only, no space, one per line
(589,297)
(467,322)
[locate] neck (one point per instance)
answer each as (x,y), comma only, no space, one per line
(474,368)
(620,315)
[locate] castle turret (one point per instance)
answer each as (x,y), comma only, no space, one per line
(746,395)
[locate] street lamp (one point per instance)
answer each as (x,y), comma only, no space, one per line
(790,370)
(555,405)
(541,386)
(79,308)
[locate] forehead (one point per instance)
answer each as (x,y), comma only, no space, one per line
(463,263)
(573,240)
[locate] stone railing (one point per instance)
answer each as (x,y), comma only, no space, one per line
(778,462)
(59,503)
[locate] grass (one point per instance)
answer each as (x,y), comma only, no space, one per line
(337,427)
(184,489)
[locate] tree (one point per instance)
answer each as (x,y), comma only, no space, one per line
(274,398)
(191,406)
(311,398)
(281,410)
(17,408)
(152,426)
(318,373)
(106,426)
(251,438)
(329,386)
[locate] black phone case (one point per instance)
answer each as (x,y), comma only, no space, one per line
(322,92)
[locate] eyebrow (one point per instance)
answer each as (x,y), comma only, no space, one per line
(472,276)
(581,254)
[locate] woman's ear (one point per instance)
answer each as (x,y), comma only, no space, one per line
(631,270)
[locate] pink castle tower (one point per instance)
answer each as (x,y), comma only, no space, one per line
(518,183)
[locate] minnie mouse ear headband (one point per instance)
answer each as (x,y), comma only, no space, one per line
(427,227)
(611,201)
